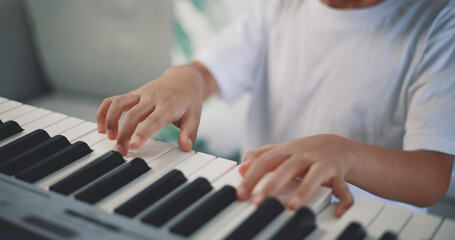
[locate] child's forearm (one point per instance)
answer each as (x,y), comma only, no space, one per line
(420,177)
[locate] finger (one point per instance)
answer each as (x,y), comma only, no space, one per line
(118,106)
(101,114)
(310,183)
(284,173)
(189,126)
(260,166)
(159,118)
(341,191)
(249,157)
(129,124)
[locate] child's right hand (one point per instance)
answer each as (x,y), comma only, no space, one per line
(175,97)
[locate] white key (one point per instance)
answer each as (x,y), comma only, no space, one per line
(214,169)
(194,163)
(2,100)
(446,231)
(38,124)
(93,138)
(32,116)
(79,131)
(421,226)
(14,113)
(159,168)
(45,122)
(150,151)
(363,212)
(6,106)
(232,178)
(62,126)
(325,221)
(392,218)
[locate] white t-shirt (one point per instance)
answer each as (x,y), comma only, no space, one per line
(383,75)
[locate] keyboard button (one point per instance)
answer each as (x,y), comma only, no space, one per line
(178,202)
(389,236)
(257,221)
(114,180)
(206,211)
(88,173)
(392,218)
(446,231)
(54,162)
(354,231)
(22,144)
(421,226)
(9,129)
(152,193)
(299,226)
(33,155)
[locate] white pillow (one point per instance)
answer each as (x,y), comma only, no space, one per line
(103,47)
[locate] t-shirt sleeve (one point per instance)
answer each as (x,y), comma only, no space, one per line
(430,122)
(236,55)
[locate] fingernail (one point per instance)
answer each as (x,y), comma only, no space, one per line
(295,203)
(241,192)
(135,141)
(120,149)
(259,199)
(189,141)
(110,134)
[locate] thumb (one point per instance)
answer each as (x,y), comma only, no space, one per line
(188,130)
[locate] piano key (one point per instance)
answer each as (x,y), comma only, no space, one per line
(2,99)
(194,163)
(388,236)
(215,169)
(178,202)
(298,227)
(446,231)
(420,226)
(33,155)
(88,173)
(63,125)
(266,212)
(54,162)
(44,122)
(22,144)
(9,129)
(79,131)
(205,211)
(93,138)
(32,116)
(159,167)
(16,112)
(6,106)
(113,181)
(354,231)
(152,193)
(363,211)
(392,218)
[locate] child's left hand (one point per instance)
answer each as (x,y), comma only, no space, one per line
(322,159)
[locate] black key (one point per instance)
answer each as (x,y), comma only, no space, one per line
(298,227)
(33,155)
(257,221)
(22,144)
(389,236)
(204,212)
(9,129)
(114,180)
(177,203)
(152,194)
(1,121)
(354,231)
(88,173)
(54,162)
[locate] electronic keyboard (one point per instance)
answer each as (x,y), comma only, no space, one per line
(60,179)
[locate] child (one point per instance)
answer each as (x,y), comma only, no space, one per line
(343,91)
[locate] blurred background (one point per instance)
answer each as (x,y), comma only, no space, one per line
(67,56)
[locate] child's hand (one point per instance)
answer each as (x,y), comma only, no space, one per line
(175,97)
(322,159)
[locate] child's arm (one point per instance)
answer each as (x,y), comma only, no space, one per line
(417,177)
(175,97)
